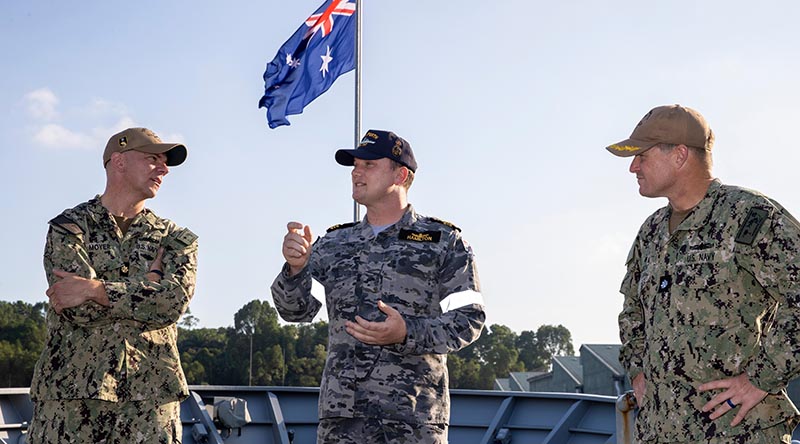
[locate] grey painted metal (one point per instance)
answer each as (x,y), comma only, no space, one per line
(195,413)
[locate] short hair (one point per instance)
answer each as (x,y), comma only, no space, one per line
(409,178)
(702,154)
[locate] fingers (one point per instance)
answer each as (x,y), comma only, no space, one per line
(739,394)
(61,273)
(389,311)
(297,243)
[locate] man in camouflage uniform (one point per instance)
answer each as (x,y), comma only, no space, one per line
(402,291)
(711,316)
(120,278)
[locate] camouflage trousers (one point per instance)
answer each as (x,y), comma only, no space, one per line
(777,434)
(92,421)
(378,431)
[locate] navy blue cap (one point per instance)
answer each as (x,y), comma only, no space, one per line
(379,144)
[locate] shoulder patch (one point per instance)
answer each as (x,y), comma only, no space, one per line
(65,224)
(420,236)
(186,237)
(751,225)
(445,223)
(340,226)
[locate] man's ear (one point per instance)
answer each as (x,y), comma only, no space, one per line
(117,161)
(401,177)
(681,155)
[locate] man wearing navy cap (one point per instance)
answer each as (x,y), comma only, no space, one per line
(402,292)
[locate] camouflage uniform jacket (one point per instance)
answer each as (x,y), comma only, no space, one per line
(127,351)
(717,298)
(417,266)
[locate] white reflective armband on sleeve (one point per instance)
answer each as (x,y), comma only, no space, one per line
(461,299)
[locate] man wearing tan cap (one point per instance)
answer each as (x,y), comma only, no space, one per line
(120,278)
(710,326)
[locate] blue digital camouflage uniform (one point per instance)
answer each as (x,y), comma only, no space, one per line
(717,298)
(417,266)
(126,352)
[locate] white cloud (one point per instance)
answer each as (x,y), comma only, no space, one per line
(57,136)
(41,104)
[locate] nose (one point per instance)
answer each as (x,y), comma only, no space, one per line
(634,165)
(162,168)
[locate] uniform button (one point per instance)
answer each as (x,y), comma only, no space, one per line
(124,269)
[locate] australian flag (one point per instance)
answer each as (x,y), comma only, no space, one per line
(309,62)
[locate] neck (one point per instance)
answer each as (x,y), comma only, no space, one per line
(690,194)
(387,212)
(120,203)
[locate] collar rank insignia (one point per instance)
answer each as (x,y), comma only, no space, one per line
(420,236)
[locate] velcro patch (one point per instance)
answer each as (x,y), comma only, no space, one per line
(420,236)
(66,224)
(186,237)
(752,224)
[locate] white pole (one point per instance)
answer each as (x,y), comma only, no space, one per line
(359,15)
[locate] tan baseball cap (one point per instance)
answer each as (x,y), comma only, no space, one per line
(673,124)
(146,141)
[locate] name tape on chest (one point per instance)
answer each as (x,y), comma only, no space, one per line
(420,236)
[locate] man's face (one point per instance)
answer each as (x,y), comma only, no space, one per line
(373,180)
(655,172)
(144,172)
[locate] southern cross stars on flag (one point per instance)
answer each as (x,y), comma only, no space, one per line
(310,61)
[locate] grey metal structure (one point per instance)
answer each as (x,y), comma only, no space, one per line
(284,415)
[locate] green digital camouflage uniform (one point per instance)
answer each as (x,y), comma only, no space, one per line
(124,353)
(717,298)
(417,266)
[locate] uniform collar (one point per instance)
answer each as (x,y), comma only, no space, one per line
(99,213)
(408,219)
(698,217)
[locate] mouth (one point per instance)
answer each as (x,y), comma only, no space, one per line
(157,181)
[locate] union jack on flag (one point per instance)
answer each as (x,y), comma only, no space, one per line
(321,50)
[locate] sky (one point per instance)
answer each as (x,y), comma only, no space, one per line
(508,106)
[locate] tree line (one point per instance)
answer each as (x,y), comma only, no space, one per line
(258,350)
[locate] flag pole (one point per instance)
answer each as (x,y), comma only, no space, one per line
(359,15)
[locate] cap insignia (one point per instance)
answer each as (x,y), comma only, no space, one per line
(123,141)
(624,148)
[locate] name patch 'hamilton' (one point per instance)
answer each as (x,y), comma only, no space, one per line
(420,236)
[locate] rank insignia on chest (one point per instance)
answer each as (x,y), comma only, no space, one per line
(664,282)
(420,236)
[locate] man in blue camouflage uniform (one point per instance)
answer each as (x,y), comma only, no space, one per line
(120,278)
(402,292)
(711,316)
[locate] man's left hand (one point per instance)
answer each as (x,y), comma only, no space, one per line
(390,331)
(72,290)
(739,390)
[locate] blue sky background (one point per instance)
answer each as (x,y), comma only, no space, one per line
(508,106)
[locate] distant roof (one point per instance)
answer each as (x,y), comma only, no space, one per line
(608,354)
(502,384)
(519,380)
(571,366)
